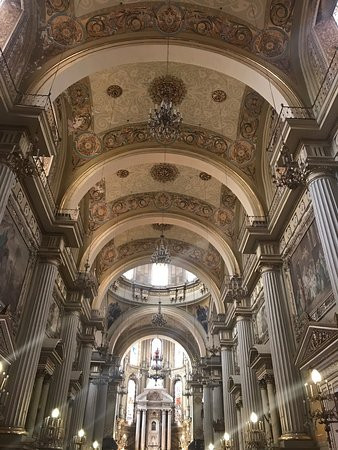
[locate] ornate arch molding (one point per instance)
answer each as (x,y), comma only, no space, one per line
(85,62)
(183,320)
(107,164)
(129,263)
(212,236)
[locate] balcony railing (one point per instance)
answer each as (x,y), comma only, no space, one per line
(305,113)
(19,98)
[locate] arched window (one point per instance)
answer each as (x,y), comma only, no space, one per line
(178,355)
(131,401)
(178,400)
(134,355)
(156,344)
(160,274)
(153,425)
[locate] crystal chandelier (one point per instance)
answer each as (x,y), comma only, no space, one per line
(161,254)
(290,173)
(165,122)
(158,319)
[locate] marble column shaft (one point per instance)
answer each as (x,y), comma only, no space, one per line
(59,387)
(80,400)
(143,429)
(249,385)
(230,415)
(100,412)
(164,435)
(289,386)
(110,410)
(217,413)
(197,415)
(7,179)
(138,429)
(169,430)
(34,404)
(324,194)
(207,416)
(42,404)
(89,420)
(266,409)
(29,343)
(275,423)
(241,428)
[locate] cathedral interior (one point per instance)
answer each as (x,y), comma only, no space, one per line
(168,224)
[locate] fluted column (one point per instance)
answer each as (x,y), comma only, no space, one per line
(241,426)
(217,413)
(80,400)
(143,429)
(110,410)
(197,395)
(138,429)
(100,412)
(89,419)
(7,179)
(289,386)
(169,430)
(230,416)
(29,343)
(207,416)
(275,423)
(42,404)
(249,384)
(163,438)
(324,194)
(59,387)
(34,404)
(266,409)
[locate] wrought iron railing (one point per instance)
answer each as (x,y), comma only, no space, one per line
(33,100)
(307,112)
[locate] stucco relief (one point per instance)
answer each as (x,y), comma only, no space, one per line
(110,254)
(270,42)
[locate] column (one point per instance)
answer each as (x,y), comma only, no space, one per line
(289,386)
(42,404)
(110,410)
(249,385)
(143,429)
(169,430)
(7,179)
(241,426)
(163,438)
(138,429)
(58,391)
(207,416)
(79,407)
(89,419)
(265,406)
(197,395)
(217,413)
(29,343)
(274,416)
(230,416)
(33,407)
(100,412)
(324,194)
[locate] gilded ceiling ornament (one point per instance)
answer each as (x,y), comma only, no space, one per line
(97,192)
(122,173)
(56,6)
(205,176)
(114,91)
(242,152)
(271,43)
(66,31)
(80,122)
(88,145)
(162,226)
(78,94)
(280,13)
(164,173)
(169,19)
(228,199)
(218,96)
(168,88)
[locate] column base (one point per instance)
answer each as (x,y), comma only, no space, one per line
(296,441)
(14,439)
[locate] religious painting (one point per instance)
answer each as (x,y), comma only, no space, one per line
(14,258)
(309,275)
(53,327)
(261,325)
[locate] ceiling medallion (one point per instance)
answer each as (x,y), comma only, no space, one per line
(168,88)
(219,96)
(164,173)
(114,91)
(205,176)
(122,173)
(161,254)
(162,227)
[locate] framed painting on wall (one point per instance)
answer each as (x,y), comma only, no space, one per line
(309,276)
(14,259)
